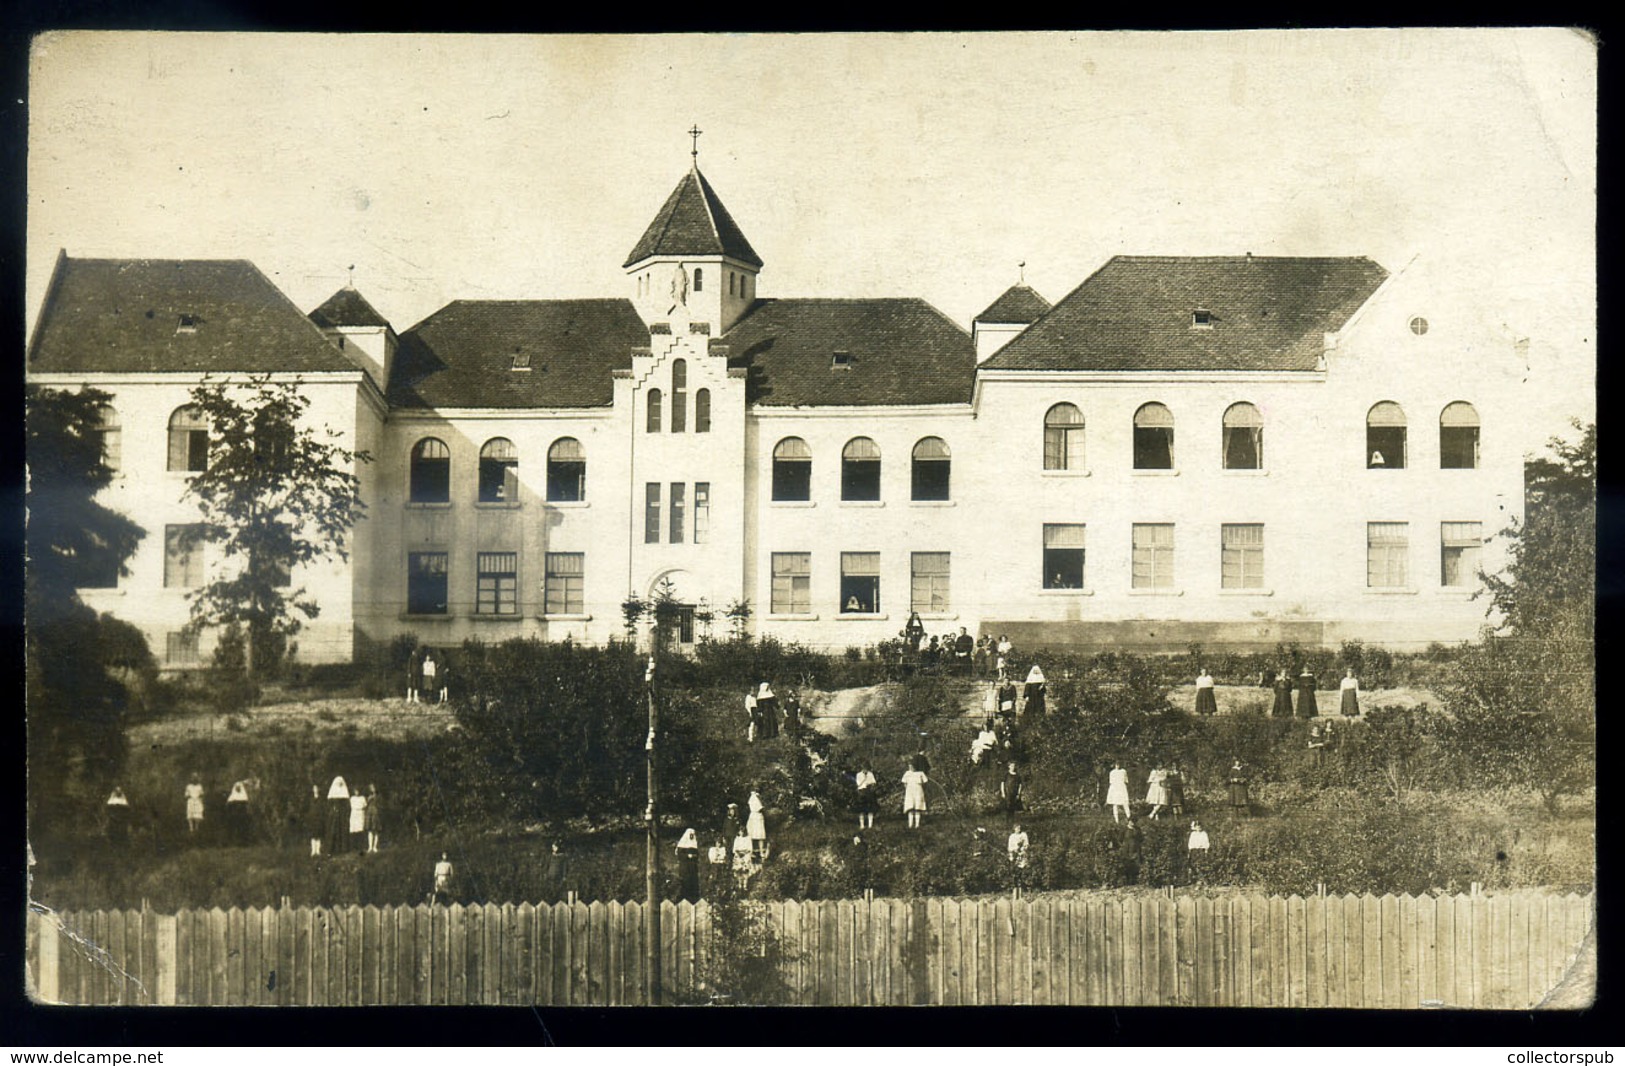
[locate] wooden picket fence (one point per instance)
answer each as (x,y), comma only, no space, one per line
(1499,951)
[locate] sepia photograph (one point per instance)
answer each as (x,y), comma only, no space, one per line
(1095,519)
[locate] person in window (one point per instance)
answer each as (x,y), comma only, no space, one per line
(194,805)
(853,606)
(1349,690)
(1117,792)
(1205,701)
(1283,695)
(688,866)
(1307,708)
(914,782)
(118,818)
(1032,693)
(964,644)
(868,798)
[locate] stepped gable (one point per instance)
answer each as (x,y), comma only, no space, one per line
(193,316)
(1135,313)
(463,354)
(898,351)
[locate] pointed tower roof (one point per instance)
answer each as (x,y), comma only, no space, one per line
(347,307)
(693,222)
(1020,303)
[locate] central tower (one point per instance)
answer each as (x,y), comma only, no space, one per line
(693,261)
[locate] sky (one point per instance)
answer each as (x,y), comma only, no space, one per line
(931,165)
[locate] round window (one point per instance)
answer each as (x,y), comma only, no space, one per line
(1419,325)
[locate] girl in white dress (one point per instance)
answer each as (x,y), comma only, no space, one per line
(1117,792)
(358,820)
(1156,796)
(756,826)
(914,796)
(194,805)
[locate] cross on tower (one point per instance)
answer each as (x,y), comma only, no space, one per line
(1022,267)
(695,134)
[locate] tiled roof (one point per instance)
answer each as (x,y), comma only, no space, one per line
(903,351)
(347,307)
(1135,313)
(462,355)
(694,222)
(1020,303)
(126,315)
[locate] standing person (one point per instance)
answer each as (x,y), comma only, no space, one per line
(1317,744)
(744,860)
(964,645)
(373,819)
(1206,703)
(717,859)
(237,814)
(983,653)
(868,801)
(792,714)
(1307,708)
(558,873)
(914,796)
(315,820)
(767,710)
(913,633)
(1196,847)
(1238,789)
(118,818)
(756,826)
(688,866)
(1010,790)
(1117,792)
(861,875)
(985,741)
(443,874)
(929,656)
(1350,690)
(752,715)
(1033,693)
(1173,783)
(358,820)
(920,761)
(431,682)
(194,805)
(414,675)
(338,815)
(1283,695)
(1156,796)
(1018,847)
(1002,663)
(1007,701)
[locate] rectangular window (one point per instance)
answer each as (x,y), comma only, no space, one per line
(860,582)
(565,575)
(180,649)
(1387,555)
(497,591)
(928,582)
(702,511)
(1153,562)
(651,512)
(1241,557)
(183,562)
(1458,447)
(426,583)
(1063,556)
(112,446)
(792,583)
(1460,544)
(679,510)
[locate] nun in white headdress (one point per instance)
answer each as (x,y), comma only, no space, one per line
(756,826)
(237,813)
(767,704)
(688,865)
(1033,692)
(338,816)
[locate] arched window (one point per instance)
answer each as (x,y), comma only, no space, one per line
(1153,438)
(1243,437)
(702,411)
(1063,438)
(792,470)
(860,470)
(1458,437)
(679,395)
(188,440)
(699,280)
(566,471)
(430,480)
(730,283)
(499,471)
(653,423)
(1385,437)
(929,477)
(112,435)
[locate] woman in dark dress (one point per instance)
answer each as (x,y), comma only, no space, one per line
(1206,703)
(1173,783)
(118,818)
(1283,695)
(1238,789)
(688,866)
(1010,790)
(1307,707)
(316,820)
(767,707)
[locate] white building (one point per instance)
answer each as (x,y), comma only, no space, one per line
(1231,450)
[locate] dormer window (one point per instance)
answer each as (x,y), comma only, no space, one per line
(1201,318)
(188,324)
(521,361)
(841,361)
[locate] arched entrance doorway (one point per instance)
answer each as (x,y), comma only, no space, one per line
(675,587)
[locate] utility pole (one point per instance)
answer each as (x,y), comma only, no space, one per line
(651,862)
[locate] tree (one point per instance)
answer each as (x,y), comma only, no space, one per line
(1524,696)
(75,662)
(274,496)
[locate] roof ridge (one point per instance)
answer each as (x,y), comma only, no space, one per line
(706,192)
